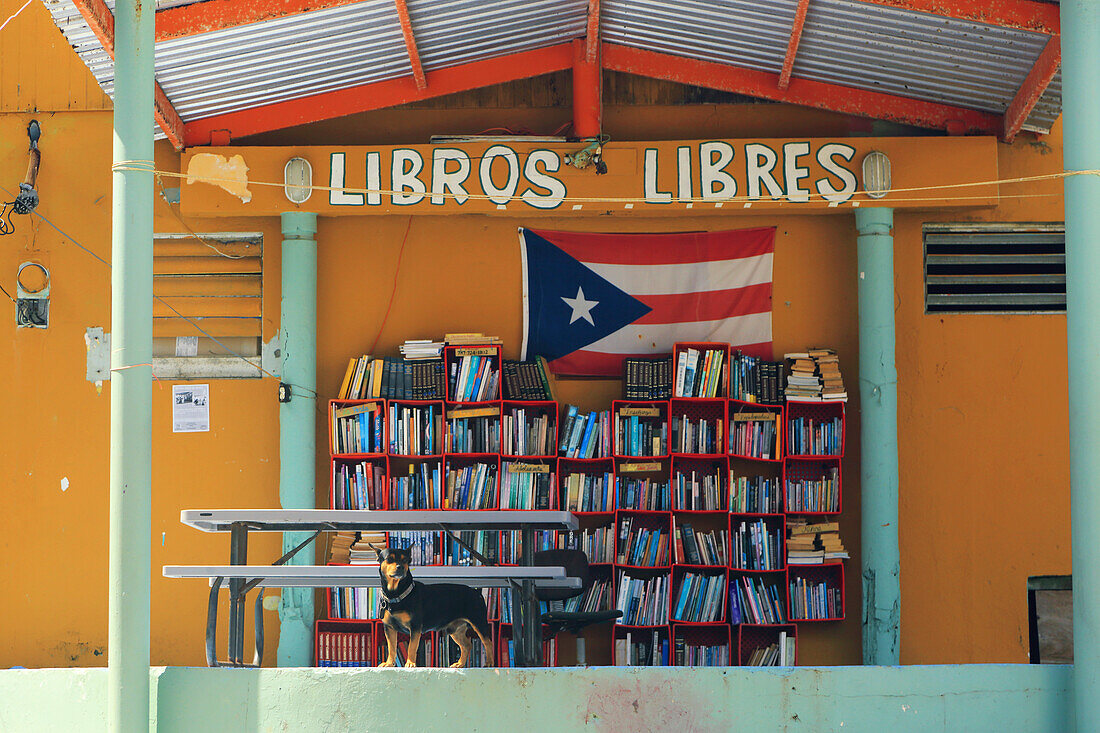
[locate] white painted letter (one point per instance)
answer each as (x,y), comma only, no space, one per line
(551,162)
(499,195)
(683,173)
(711,170)
(649,176)
(793,172)
(336,181)
(825,155)
(760,161)
(442,180)
(374,178)
(404,177)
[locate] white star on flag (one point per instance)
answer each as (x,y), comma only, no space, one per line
(581,308)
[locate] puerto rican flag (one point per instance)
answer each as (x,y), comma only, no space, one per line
(589,300)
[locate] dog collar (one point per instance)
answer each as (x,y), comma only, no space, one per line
(388,601)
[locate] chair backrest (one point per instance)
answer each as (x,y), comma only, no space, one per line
(575,563)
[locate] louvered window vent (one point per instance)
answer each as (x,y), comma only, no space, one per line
(995,268)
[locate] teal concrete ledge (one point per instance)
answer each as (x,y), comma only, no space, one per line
(980,697)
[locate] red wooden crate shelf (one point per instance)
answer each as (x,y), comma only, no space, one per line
(751,637)
(832,574)
(693,635)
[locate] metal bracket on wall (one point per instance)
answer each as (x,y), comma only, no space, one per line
(98,345)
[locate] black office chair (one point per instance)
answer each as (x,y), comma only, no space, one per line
(575,563)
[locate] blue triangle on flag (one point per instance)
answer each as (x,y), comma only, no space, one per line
(569,306)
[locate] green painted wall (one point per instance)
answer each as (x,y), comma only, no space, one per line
(897,699)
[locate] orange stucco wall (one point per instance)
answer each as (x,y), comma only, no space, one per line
(982,399)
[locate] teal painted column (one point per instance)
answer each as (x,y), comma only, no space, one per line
(878,400)
(130,524)
(1081,151)
(297,422)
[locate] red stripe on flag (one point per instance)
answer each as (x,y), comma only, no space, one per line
(596,363)
(663,249)
(707,306)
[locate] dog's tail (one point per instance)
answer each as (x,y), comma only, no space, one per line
(485,633)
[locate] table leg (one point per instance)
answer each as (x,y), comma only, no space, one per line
(531,621)
(238,555)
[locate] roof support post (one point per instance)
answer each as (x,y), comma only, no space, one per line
(792,45)
(297,436)
(1081,151)
(130,524)
(878,400)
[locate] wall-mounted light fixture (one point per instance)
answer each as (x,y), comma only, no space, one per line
(876,174)
(298,180)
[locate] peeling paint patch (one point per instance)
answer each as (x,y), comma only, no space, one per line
(64,483)
(228,174)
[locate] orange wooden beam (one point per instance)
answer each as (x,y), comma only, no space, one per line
(101,21)
(1022,14)
(212,15)
(846,100)
(792,45)
(410,44)
(1037,81)
(378,95)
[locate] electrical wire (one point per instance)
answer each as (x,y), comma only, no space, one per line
(17,12)
(5,292)
(783,198)
(192,232)
(250,361)
(393,292)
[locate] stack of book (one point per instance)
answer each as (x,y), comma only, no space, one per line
(339,549)
(473,430)
(598,543)
(393,379)
(357,428)
(828,366)
(701,655)
(359,485)
(585,436)
(813,544)
(780,654)
(814,374)
(754,600)
(589,492)
(636,650)
(419,349)
(642,546)
(471,487)
(526,380)
(697,490)
(343,649)
(415,430)
(526,485)
(363,552)
(421,488)
(643,601)
(596,598)
(474,378)
(700,548)
(528,432)
(753,379)
(700,599)
(754,494)
(464,339)
(425,546)
(803,382)
(756,546)
(643,494)
(699,373)
(647,379)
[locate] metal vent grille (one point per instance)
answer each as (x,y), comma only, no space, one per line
(995,268)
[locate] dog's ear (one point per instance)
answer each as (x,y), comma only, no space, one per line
(380,551)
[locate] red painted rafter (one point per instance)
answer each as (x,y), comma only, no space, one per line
(410,44)
(379,95)
(212,15)
(1023,14)
(847,100)
(1037,81)
(792,45)
(101,21)
(592,33)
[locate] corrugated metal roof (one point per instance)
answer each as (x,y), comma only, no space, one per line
(848,43)
(845,42)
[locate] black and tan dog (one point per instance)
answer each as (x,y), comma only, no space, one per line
(415,608)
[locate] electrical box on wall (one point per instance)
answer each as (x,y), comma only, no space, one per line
(32,303)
